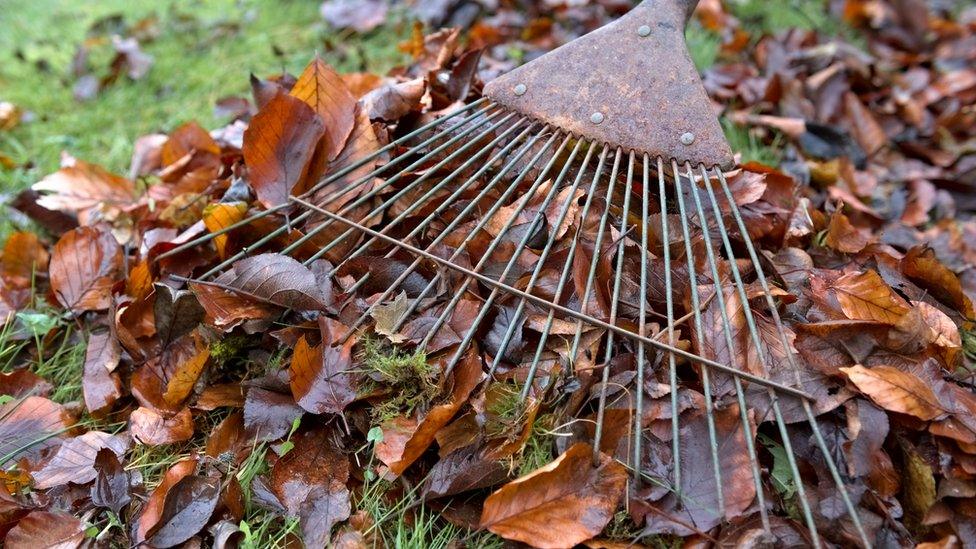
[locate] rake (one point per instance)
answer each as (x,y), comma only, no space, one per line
(612,129)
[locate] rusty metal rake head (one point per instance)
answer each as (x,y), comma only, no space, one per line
(599,156)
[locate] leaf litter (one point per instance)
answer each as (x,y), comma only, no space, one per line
(276,409)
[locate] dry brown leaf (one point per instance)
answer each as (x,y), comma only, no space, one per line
(80,186)
(23,256)
(865,296)
(278,145)
(895,390)
(151,428)
(84,265)
(322,88)
(559,505)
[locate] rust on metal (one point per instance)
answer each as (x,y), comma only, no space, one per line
(637,74)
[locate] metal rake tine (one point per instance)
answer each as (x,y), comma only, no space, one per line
(422,200)
(544,337)
(486,306)
(434,123)
(727,332)
(706,381)
(601,407)
(540,263)
(536,300)
(669,306)
(451,226)
(456,298)
(348,207)
(784,340)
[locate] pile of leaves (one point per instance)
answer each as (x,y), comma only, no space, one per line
(209,407)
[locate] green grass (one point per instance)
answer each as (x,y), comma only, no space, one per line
(204,51)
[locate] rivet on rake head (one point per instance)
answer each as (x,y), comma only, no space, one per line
(596,117)
(643,30)
(520,89)
(687,138)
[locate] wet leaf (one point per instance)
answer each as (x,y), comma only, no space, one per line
(922,266)
(100,385)
(895,390)
(278,145)
(564,503)
(84,265)
(321,380)
(269,415)
(152,428)
(865,296)
(29,426)
(153,509)
(111,487)
(23,256)
(186,511)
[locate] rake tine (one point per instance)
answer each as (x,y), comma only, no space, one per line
(727,332)
(358,202)
(422,200)
(486,306)
(536,300)
(454,223)
(530,376)
(601,409)
(777,321)
(706,378)
(491,248)
(669,305)
(210,236)
(540,263)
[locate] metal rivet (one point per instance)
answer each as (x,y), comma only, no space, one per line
(687,138)
(596,117)
(643,30)
(520,89)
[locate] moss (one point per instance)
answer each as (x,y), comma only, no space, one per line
(506,413)
(406,380)
(229,348)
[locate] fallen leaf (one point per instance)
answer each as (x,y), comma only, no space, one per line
(220,216)
(865,296)
(358,15)
(268,415)
(922,266)
(152,428)
(278,145)
(153,509)
(51,530)
(559,505)
(100,385)
(895,390)
(186,511)
(29,426)
(394,101)
(81,186)
(277,279)
(111,488)
(23,256)
(323,90)
(75,459)
(84,265)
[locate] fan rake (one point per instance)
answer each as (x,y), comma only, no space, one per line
(583,176)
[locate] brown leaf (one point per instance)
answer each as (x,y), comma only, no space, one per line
(896,391)
(29,426)
(268,415)
(866,129)
(922,266)
(278,145)
(188,139)
(23,256)
(324,91)
(151,428)
(220,216)
(226,309)
(277,279)
(111,487)
(394,101)
(101,386)
(320,377)
(81,186)
(564,503)
(186,511)
(153,509)
(845,237)
(84,265)
(865,296)
(43,529)
(75,459)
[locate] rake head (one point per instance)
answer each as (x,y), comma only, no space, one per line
(599,262)
(630,83)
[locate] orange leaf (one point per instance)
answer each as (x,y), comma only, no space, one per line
(153,429)
(83,268)
(564,503)
(922,266)
(153,510)
(186,374)
(220,216)
(23,254)
(324,90)
(278,145)
(320,377)
(865,296)
(81,186)
(189,138)
(895,390)
(845,237)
